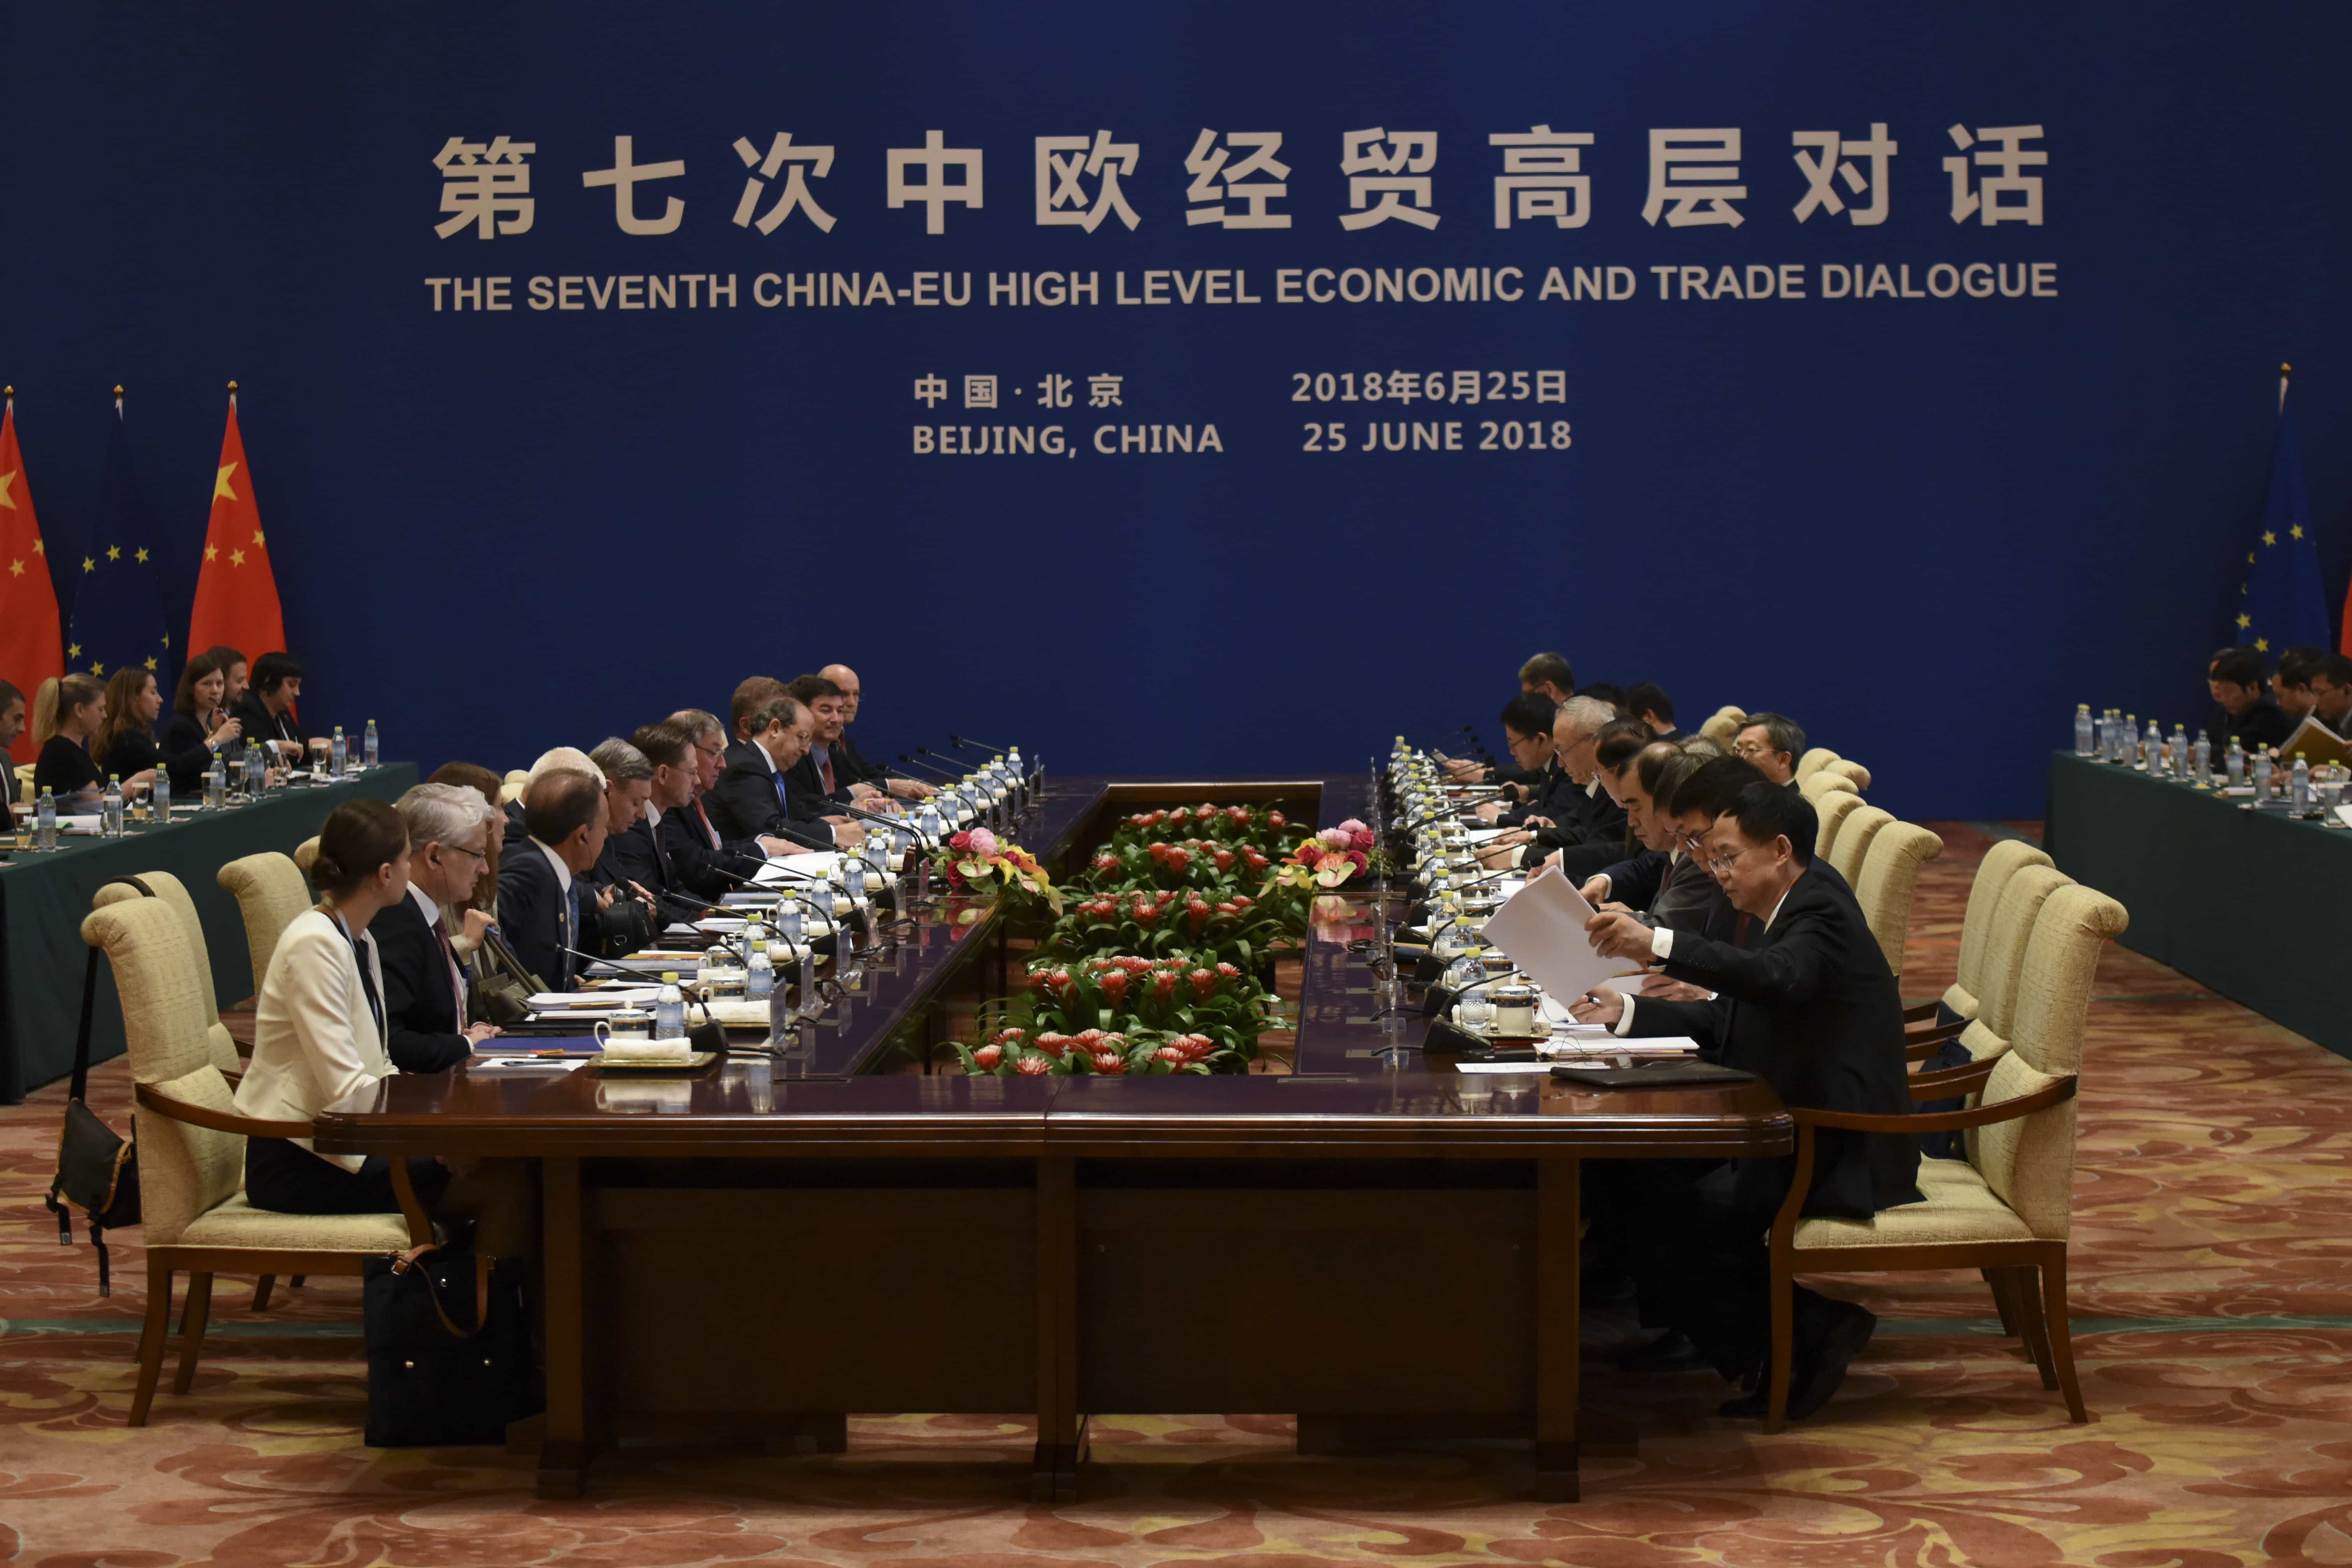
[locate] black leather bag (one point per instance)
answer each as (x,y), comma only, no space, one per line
(448,1349)
(97,1169)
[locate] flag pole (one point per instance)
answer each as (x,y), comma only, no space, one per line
(118,400)
(232,394)
(2284,370)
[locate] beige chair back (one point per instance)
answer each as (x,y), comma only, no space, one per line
(1813,760)
(511,789)
(1849,768)
(2011,932)
(1723,725)
(24,775)
(1890,873)
(2003,860)
(306,855)
(2029,1163)
(170,890)
(269,893)
(184,1170)
(1851,845)
(1812,786)
(1831,808)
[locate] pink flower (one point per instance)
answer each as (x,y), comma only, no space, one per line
(1353,826)
(987,1057)
(981,842)
(1031,1067)
(1336,837)
(1110,1063)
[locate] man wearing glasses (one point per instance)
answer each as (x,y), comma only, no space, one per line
(425,1026)
(1773,743)
(1807,1004)
(699,859)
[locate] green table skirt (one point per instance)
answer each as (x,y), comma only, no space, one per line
(44,897)
(2252,903)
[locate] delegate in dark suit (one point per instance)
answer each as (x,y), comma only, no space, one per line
(1669,890)
(751,799)
(1809,1006)
(261,725)
(421,1019)
(699,858)
(537,917)
(855,767)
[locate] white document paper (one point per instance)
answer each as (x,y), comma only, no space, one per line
(1542,930)
(2344,815)
(620,996)
(1486,835)
(1639,1046)
(818,864)
(1527,1069)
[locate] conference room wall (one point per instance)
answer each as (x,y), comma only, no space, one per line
(1925,527)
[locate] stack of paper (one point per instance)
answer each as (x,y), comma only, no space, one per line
(1542,930)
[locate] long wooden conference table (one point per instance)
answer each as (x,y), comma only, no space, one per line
(1377,1244)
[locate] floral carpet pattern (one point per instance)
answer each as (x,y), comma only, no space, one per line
(2212,1300)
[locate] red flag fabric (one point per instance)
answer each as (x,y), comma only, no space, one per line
(237,594)
(31,648)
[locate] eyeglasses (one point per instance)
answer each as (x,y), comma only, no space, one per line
(1725,861)
(461,849)
(1750,749)
(710,751)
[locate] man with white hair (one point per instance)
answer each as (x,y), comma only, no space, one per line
(1590,816)
(425,1018)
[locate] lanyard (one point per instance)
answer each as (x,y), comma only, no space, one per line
(375,1006)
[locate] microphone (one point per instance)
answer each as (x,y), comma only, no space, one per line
(976,746)
(935,773)
(1454,808)
(897,824)
(951,762)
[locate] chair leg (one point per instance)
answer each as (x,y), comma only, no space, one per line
(296,1282)
(2003,1299)
(2061,1341)
(2025,1292)
(261,1292)
(1783,1353)
(157,1329)
(192,1329)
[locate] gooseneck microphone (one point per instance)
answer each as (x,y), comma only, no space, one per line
(935,773)
(977,745)
(951,762)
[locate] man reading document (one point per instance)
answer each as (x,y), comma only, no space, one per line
(1803,999)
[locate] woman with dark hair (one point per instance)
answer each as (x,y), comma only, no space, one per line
(127,746)
(266,708)
(233,666)
(68,711)
(200,709)
(318,1031)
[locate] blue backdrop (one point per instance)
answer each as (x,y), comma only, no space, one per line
(1924,526)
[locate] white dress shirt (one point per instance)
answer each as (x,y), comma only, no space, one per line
(315,1039)
(1662,944)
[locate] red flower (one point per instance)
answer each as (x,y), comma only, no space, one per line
(1090,1038)
(960,841)
(1309,855)
(987,1057)
(1177,860)
(1241,900)
(1197,917)
(1205,983)
(1052,1044)
(1229,972)
(1164,897)
(1133,965)
(1164,987)
(1114,987)
(1031,1067)
(1110,1064)
(1276,819)
(1170,1054)
(1364,840)
(1148,913)
(1224,859)
(1039,982)
(1158,853)
(1358,858)
(1229,908)
(1105,862)
(1180,816)
(1007,1037)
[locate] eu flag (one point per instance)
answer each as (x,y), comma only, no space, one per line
(118,607)
(2281,604)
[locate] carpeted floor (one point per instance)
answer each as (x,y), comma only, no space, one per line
(2213,1314)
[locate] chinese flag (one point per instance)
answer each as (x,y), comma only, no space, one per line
(31,650)
(236,596)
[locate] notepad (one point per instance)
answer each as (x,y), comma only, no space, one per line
(1542,930)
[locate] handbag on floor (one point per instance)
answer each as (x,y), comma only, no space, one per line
(96,1168)
(448,1349)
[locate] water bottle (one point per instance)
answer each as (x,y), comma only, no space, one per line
(109,807)
(788,919)
(877,852)
(759,976)
(2299,787)
(2234,761)
(1466,970)
(2179,752)
(2262,774)
(821,900)
(2082,741)
(2204,750)
(852,879)
(370,744)
(670,1008)
(2112,747)
(44,822)
(162,796)
(216,783)
(338,753)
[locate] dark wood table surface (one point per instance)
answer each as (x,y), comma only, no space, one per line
(1361,1099)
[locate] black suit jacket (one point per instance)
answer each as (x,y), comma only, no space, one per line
(261,725)
(2262,725)
(809,795)
(639,856)
(1810,1007)
(133,753)
(1591,822)
(685,837)
(745,802)
(420,1007)
(851,766)
(534,915)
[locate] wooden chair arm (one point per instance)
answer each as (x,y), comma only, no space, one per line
(1937,1122)
(1949,1081)
(1918,1045)
(162,1104)
(1919,1011)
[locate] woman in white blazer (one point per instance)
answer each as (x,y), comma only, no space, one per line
(319,1031)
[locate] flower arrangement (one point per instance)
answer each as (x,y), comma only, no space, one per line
(1220,923)
(1332,857)
(1018,1052)
(1264,827)
(975,861)
(1182,992)
(1203,863)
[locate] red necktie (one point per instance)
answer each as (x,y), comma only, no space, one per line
(704,818)
(457,984)
(824,769)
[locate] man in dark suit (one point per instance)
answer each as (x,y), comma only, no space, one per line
(823,776)
(541,882)
(266,710)
(425,1026)
(1675,800)
(1589,818)
(1647,701)
(2234,678)
(1527,734)
(846,755)
(630,915)
(705,862)
(756,796)
(1809,1006)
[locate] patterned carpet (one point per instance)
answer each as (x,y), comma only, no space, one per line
(2213,1316)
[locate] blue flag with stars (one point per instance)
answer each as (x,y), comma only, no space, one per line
(118,606)
(2281,604)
